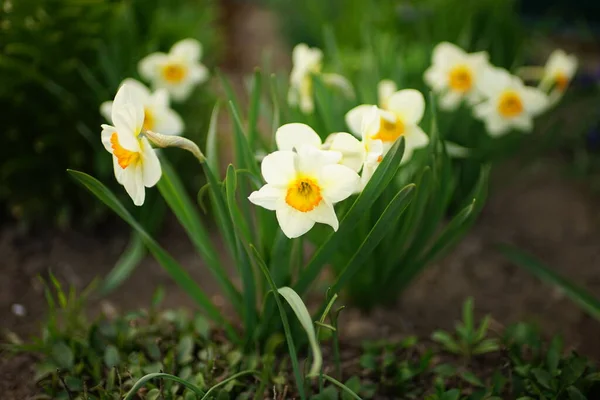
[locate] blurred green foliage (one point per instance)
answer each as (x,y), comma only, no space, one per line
(59,59)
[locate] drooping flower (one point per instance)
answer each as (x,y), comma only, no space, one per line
(158,116)
(400,118)
(178,72)
(135,162)
(455,75)
(306,63)
(510,104)
(302,187)
(558,73)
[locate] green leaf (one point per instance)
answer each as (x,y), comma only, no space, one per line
(329,393)
(179,275)
(212,140)
(573,370)
(63,355)
(352,384)
(453,394)
(254,108)
(378,182)
(133,392)
(467,314)
(553,355)
(179,202)
(125,265)
(446,340)
(575,394)
(471,378)
(303,316)
(111,356)
(486,346)
(284,321)
(577,294)
(185,350)
(482,330)
(244,154)
(344,388)
(384,224)
(542,377)
(201,326)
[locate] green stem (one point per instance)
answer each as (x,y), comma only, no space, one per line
(340,385)
(140,383)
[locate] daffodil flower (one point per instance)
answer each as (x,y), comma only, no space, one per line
(302,187)
(306,63)
(360,155)
(158,116)
(455,74)
(558,73)
(399,116)
(178,72)
(135,162)
(510,104)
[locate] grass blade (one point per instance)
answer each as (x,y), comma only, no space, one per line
(173,268)
(303,316)
(226,381)
(254,108)
(133,393)
(284,321)
(577,294)
(212,148)
(129,259)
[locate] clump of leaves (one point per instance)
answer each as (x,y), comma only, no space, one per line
(469,340)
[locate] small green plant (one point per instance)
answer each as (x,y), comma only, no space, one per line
(469,340)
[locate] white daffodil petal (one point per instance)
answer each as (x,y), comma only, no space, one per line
(149,66)
(293,223)
(267,196)
(446,53)
(160,99)
(169,123)
(353,151)
(188,49)
(107,132)
(338,182)
(496,126)
(409,104)
(354,118)
(151,170)
(416,138)
(133,183)
(198,74)
(535,101)
(435,78)
(324,214)
(339,82)
(138,92)
(523,123)
(311,160)
(117,170)
(450,100)
(128,125)
(294,135)
(278,168)
(180,92)
(106,110)
(385,89)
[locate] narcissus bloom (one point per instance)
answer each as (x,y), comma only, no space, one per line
(302,187)
(510,104)
(306,63)
(178,72)
(400,117)
(558,73)
(135,162)
(158,116)
(455,75)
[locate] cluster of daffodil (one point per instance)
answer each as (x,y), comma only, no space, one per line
(498,98)
(137,110)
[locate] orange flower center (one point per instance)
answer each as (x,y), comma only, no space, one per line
(389,131)
(460,78)
(124,157)
(303,194)
(173,73)
(510,104)
(562,81)
(148,120)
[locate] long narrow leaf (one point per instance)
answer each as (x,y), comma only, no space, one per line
(133,393)
(176,271)
(378,182)
(254,108)
(384,224)
(174,193)
(303,316)
(125,265)
(212,149)
(577,294)
(284,321)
